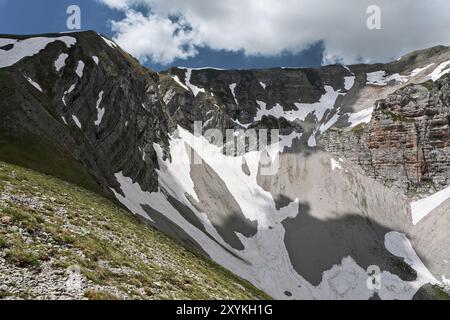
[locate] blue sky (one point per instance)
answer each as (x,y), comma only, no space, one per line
(242,34)
(45,16)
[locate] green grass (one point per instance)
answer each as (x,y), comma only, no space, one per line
(99,295)
(396,117)
(22,257)
(440,294)
(34,154)
(92,232)
(359,129)
(428,84)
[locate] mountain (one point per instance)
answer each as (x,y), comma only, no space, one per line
(356,180)
(61,241)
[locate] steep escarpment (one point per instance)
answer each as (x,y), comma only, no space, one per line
(406,144)
(85,98)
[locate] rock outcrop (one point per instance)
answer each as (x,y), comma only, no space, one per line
(407,142)
(355,142)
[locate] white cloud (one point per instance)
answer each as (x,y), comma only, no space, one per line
(270,27)
(154,37)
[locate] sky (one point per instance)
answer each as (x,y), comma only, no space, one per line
(242,34)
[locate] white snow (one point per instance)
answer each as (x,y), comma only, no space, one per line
(325,126)
(110,43)
(169,96)
(319,108)
(277,111)
(325,103)
(347,68)
(34,84)
(312,140)
(416,71)
(100,111)
(263,85)
(96,60)
(80,68)
(363,116)
(177,80)
(336,164)
(195,90)
(28,47)
(269,266)
(380,78)
(5,41)
(392,286)
(442,69)
(376,78)
(241,124)
(421,208)
(349,82)
(232,88)
(61,61)
(72,87)
(64,119)
(77,122)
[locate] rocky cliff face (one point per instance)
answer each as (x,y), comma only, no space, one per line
(406,144)
(354,142)
(90,99)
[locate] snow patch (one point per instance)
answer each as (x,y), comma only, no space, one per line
(100,111)
(363,116)
(416,71)
(336,164)
(380,78)
(169,96)
(77,122)
(263,85)
(34,84)
(195,90)
(177,80)
(28,47)
(392,286)
(61,61)
(232,88)
(72,87)
(319,108)
(241,124)
(349,82)
(80,68)
(441,70)
(110,43)
(312,140)
(96,60)
(421,208)
(325,126)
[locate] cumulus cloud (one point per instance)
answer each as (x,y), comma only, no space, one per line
(163,30)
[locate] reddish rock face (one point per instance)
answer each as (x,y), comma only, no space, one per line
(407,142)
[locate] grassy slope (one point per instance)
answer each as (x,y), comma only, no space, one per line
(56,224)
(29,152)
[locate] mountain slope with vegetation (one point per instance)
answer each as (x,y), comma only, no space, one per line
(60,241)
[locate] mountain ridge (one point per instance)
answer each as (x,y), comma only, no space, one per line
(242,219)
